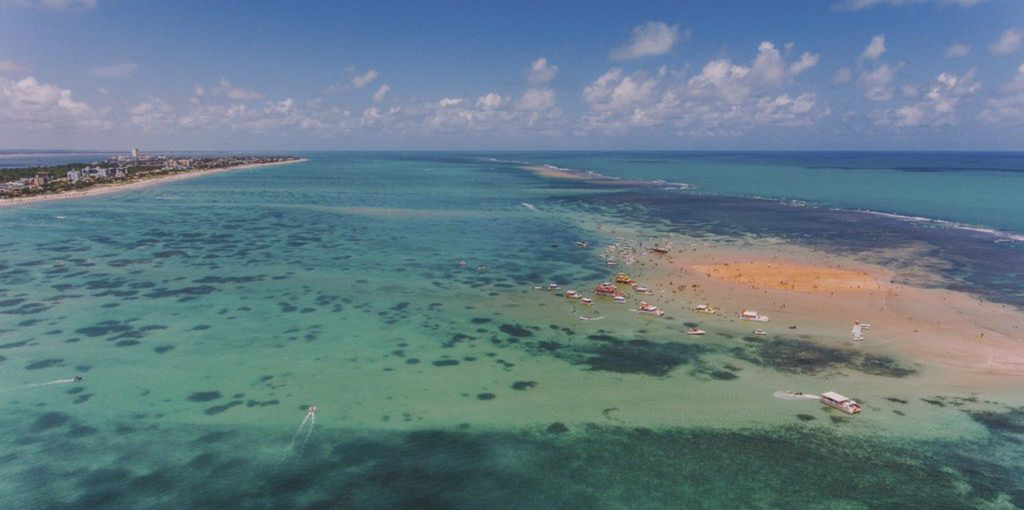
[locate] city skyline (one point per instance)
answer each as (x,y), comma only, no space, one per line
(848,74)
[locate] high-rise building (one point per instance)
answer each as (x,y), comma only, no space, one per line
(135,153)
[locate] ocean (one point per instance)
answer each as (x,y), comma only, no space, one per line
(207,315)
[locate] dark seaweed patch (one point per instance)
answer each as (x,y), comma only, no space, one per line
(485,396)
(221,408)
(204,396)
(515,330)
(723,375)
(46,363)
(639,356)
(523,385)
(51,420)
(1011,421)
(162,349)
(797,356)
(557,428)
(445,362)
(805,417)
(82,398)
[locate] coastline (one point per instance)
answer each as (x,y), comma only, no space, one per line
(103,189)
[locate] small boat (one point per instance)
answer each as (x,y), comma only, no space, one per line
(857,332)
(865,326)
(462,263)
(606,289)
(610,263)
(837,401)
(589,318)
(752,315)
(311,411)
(554,286)
(705,309)
(650,309)
(586,301)
(643,290)
(696,331)
(481,268)
(572,294)
(582,244)
(622,278)
(619,299)
(760,332)
(538,287)
(660,250)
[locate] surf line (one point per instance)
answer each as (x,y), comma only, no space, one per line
(310,420)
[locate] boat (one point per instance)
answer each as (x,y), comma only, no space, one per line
(554,286)
(610,263)
(538,287)
(623,278)
(760,332)
(643,290)
(481,268)
(837,401)
(589,318)
(572,294)
(606,289)
(586,301)
(658,249)
(752,315)
(865,326)
(462,263)
(311,411)
(857,332)
(619,298)
(696,331)
(582,244)
(650,309)
(705,309)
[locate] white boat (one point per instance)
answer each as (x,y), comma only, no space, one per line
(650,309)
(554,286)
(865,326)
(696,331)
(589,318)
(586,301)
(857,332)
(538,287)
(610,263)
(572,294)
(705,309)
(643,290)
(760,332)
(619,299)
(752,315)
(837,401)
(582,244)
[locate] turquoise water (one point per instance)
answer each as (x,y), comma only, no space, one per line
(208,314)
(982,189)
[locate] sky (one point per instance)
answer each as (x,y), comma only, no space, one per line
(517,75)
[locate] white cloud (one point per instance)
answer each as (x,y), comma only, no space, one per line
(938,105)
(152,114)
(843,75)
(856,5)
(614,90)
(28,104)
(535,99)
(115,71)
(541,72)
(490,101)
(237,93)
(877,84)
(382,92)
(958,51)
(650,39)
(1008,108)
(874,49)
(807,61)
(360,81)
(1008,42)
(449,102)
(9,66)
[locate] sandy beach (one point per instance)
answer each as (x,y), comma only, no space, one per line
(809,293)
(116,187)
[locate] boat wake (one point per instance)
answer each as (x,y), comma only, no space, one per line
(305,430)
(789,395)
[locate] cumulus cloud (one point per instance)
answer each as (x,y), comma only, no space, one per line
(937,107)
(843,75)
(29,104)
(151,114)
(535,99)
(115,71)
(958,51)
(225,88)
(1007,43)
(1007,108)
(490,101)
(541,72)
(807,61)
(856,5)
(650,39)
(723,98)
(381,93)
(360,81)
(874,49)
(877,83)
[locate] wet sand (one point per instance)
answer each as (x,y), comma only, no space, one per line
(115,187)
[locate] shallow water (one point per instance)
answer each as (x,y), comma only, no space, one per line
(207,314)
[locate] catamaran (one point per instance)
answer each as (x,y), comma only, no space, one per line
(844,404)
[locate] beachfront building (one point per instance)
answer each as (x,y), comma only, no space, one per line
(135,153)
(96,172)
(74,175)
(120,173)
(41,178)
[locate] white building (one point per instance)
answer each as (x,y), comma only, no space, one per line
(135,153)
(74,175)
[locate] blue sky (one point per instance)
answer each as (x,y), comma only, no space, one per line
(806,75)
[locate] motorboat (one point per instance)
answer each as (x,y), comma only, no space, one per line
(623,278)
(760,332)
(837,401)
(650,309)
(606,289)
(481,268)
(619,298)
(311,411)
(572,294)
(582,244)
(639,289)
(696,331)
(705,309)
(586,301)
(660,250)
(554,286)
(857,333)
(752,315)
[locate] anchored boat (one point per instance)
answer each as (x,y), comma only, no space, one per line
(837,401)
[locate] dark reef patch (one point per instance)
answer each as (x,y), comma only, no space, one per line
(798,356)
(46,363)
(485,396)
(204,396)
(515,330)
(446,362)
(221,408)
(523,385)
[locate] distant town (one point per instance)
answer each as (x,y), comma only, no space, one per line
(27,182)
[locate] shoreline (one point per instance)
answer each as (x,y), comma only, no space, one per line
(103,189)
